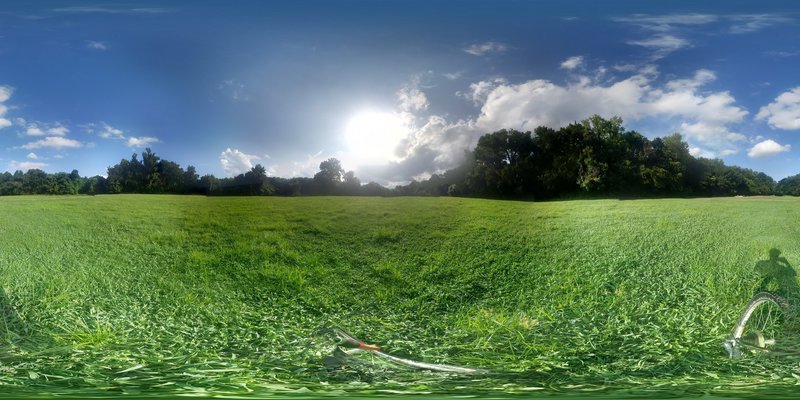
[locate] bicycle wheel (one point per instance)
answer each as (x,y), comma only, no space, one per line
(761,323)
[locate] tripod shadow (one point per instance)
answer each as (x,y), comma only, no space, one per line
(778,276)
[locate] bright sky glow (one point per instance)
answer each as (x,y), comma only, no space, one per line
(373,136)
(395,89)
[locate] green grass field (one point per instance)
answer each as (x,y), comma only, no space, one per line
(184,294)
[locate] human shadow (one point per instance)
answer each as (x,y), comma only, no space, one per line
(777,275)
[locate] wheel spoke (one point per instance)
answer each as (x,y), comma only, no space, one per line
(761,323)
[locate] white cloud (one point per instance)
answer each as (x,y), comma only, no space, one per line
(5,94)
(482,49)
(540,102)
(784,112)
(699,152)
(452,75)
(711,133)
(32,156)
(668,22)
(96,45)
(746,23)
(661,45)
(25,165)
(625,67)
(480,90)
(307,167)
(739,23)
(782,53)
(58,130)
(109,132)
(572,62)
(706,119)
(768,148)
(42,129)
(234,162)
(142,141)
(666,27)
(412,99)
(55,142)
(34,130)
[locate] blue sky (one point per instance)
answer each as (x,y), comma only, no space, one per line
(395,89)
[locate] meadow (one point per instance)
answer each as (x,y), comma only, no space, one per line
(152,294)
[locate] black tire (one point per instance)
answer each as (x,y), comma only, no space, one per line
(761,323)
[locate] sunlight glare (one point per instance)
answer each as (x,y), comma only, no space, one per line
(373,136)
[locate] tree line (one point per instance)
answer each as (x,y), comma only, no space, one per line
(594,157)
(152,174)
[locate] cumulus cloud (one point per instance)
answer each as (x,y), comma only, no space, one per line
(96,45)
(59,130)
(700,152)
(306,167)
(142,141)
(5,94)
(412,99)
(480,90)
(235,162)
(712,133)
(540,102)
(55,142)
(482,49)
(704,118)
(433,147)
(767,148)
(784,112)
(32,156)
(25,165)
(572,62)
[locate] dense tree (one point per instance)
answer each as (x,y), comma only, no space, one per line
(329,176)
(209,184)
(94,185)
(596,156)
(191,180)
(350,184)
(502,163)
(789,186)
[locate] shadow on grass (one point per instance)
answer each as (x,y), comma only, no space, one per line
(778,276)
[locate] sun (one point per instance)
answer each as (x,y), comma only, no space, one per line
(373,136)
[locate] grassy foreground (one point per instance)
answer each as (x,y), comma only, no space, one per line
(184,294)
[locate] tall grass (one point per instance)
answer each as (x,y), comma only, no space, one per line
(186,294)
